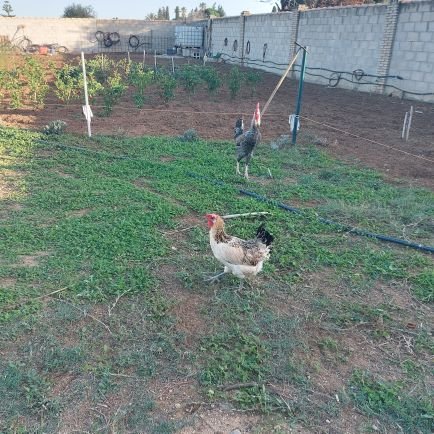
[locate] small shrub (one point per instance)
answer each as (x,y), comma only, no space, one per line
(281,142)
(234,81)
(112,92)
(55,127)
(68,82)
(140,79)
(167,85)
(252,78)
(11,83)
(189,136)
(190,78)
(34,74)
(212,79)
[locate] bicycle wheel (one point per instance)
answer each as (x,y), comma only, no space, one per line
(133,41)
(61,49)
(99,36)
(24,44)
(34,48)
(108,42)
(115,37)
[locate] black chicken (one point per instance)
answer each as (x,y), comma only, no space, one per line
(247,141)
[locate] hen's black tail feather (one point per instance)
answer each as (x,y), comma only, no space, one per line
(263,235)
(239,128)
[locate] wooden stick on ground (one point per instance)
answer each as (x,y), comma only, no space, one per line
(232,216)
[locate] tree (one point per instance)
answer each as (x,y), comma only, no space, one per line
(79,11)
(177,13)
(215,11)
(8,9)
(167,14)
(184,12)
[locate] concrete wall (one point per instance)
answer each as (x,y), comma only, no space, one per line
(342,39)
(395,39)
(379,42)
(79,33)
(413,48)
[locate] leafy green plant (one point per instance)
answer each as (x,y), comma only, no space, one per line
(167,84)
(190,78)
(212,78)
(99,67)
(235,79)
(11,82)
(140,78)
(35,80)
(68,82)
(55,127)
(189,135)
(252,79)
(112,92)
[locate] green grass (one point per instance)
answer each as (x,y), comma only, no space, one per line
(92,215)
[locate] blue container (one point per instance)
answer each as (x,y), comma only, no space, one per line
(171,51)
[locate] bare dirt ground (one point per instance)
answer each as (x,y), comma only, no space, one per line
(375,118)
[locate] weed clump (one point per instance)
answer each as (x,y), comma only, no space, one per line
(55,127)
(189,135)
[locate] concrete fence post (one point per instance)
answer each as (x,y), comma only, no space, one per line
(293,35)
(385,56)
(241,47)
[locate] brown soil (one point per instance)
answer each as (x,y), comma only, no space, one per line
(376,118)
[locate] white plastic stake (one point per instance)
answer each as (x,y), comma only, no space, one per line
(404,125)
(173,66)
(144,58)
(86,108)
(129,60)
(409,123)
(155,59)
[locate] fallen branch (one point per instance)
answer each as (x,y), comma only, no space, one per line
(234,386)
(18,305)
(86,314)
(110,309)
(232,216)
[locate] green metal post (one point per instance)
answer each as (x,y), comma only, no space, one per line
(299,96)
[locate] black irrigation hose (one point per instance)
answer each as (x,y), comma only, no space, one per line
(343,227)
(335,77)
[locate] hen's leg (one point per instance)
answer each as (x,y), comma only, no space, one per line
(212,279)
(246,169)
(246,172)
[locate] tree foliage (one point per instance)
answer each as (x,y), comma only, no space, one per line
(7,8)
(79,11)
(288,5)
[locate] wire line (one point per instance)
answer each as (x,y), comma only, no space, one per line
(368,140)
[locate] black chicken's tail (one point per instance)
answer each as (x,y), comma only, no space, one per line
(239,128)
(263,235)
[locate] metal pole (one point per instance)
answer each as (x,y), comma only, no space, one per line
(299,96)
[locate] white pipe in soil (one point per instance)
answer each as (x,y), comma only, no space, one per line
(86,108)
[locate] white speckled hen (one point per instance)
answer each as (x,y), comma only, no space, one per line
(247,141)
(243,258)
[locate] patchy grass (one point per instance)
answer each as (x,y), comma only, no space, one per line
(107,324)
